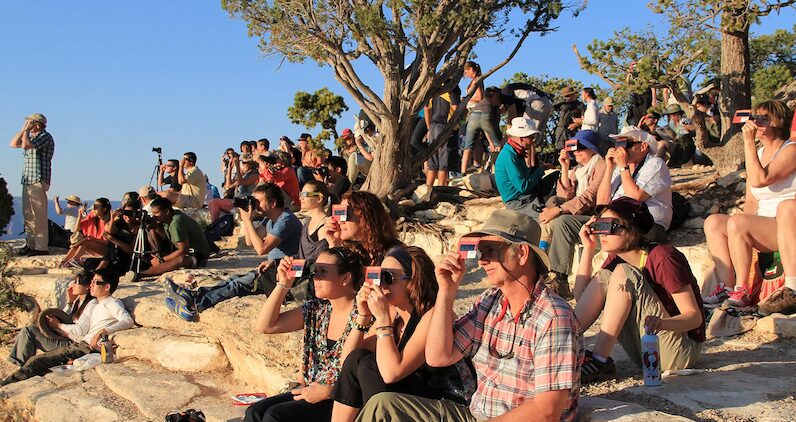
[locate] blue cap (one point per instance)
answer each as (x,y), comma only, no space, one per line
(589,139)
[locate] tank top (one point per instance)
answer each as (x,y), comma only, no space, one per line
(769,197)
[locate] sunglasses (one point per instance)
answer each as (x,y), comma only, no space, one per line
(305,194)
(98,282)
(379,276)
(491,250)
(606,226)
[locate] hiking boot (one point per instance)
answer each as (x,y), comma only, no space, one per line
(593,370)
(740,297)
(183,312)
(716,297)
(782,301)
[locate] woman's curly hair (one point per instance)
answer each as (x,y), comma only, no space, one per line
(378,230)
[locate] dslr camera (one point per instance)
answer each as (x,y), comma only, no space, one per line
(268,159)
(246,204)
(157,150)
(321,171)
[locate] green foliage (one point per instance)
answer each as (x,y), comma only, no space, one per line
(766,81)
(772,62)
(321,108)
(6,205)
(9,298)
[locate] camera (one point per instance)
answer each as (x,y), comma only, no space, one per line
(158,150)
(322,171)
(268,159)
(246,204)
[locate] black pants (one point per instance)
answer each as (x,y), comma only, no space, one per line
(283,408)
(360,380)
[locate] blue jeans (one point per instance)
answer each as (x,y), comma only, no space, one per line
(245,285)
(479,120)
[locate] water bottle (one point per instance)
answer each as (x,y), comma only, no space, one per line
(651,359)
(106,349)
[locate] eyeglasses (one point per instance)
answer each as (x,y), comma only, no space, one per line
(493,349)
(305,194)
(98,282)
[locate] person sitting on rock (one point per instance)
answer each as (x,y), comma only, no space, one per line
(193,184)
(640,288)
(87,235)
(367,223)
(783,299)
(770,180)
(281,174)
(188,242)
(121,236)
(102,316)
(573,205)
(523,339)
(391,356)
(326,321)
(335,177)
(518,174)
(283,231)
(240,180)
(30,339)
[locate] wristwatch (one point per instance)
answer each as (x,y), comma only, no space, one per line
(625,168)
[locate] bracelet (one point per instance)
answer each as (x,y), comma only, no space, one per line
(385,327)
(363,328)
(356,312)
(282,286)
(383,335)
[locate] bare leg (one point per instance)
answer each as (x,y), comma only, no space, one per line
(344,413)
(442,177)
(430,176)
(786,221)
(590,304)
(617,308)
(746,232)
(466,154)
(718,246)
(218,205)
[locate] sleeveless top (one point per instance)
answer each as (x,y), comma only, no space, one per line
(769,197)
(321,358)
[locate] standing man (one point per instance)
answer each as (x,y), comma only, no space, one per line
(570,116)
(437,113)
(39,149)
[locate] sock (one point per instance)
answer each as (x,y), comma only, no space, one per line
(544,245)
(790,282)
(599,358)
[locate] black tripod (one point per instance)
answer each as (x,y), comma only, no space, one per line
(140,245)
(156,171)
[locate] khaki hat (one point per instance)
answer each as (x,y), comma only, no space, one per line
(567,91)
(45,328)
(37,117)
(74,198)
(608,101)
(672,109)
(515,227)
(521,128)
(146,191)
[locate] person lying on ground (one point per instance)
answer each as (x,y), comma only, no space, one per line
(391,355)
(89,242)
(327,322)
(240,186)
(518,331)
(193,185)
(30,338)
(641,287)
(103,316)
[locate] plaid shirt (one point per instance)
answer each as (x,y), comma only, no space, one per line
(548,351)
(38,160)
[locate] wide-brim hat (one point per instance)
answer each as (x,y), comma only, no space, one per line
(672,109)
(608,101)
(45,328)
(515,227)
(589,139)
(521,128)
(74,198)
(37,117)
(567,91)
(633,132)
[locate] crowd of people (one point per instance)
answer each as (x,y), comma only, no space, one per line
(381,339)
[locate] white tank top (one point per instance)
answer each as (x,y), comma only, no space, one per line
(769,197)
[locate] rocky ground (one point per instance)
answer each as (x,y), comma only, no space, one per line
(167,364)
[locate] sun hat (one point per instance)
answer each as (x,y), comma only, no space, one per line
(672,109)
(74,199)
(608,101)
(589,139)
(521,128)
(514,227)
(567,91)
(631,210)
(45,328)
(633,132)
(146,191)
(37,117)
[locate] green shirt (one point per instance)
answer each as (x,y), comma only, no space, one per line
(183,228)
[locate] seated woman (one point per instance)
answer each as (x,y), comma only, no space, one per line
(393,357)
(367,223)
(640,288)
(314,198)
(327,323)
(770,179)
(281,174)
(121,236)
(240,179)
(89,241)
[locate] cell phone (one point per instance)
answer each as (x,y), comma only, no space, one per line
(571,145)
(340,212)
(296,268)
(468,247)
(602,226)
(373,274)
(741,116)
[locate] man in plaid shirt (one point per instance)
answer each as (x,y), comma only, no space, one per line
(523,339)
(39,147)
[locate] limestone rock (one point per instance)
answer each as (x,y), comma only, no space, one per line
(428,215)
(71,406)
(145,387)
(201,216)
(694,223)
(729,180)
(406,203)
(421,194)
(595,409)
(779,324)
(446,209)
(171,350)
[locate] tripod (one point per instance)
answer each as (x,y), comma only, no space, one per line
(156,171)
(140,245)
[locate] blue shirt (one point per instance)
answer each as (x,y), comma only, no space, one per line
(288,229)
(512,175)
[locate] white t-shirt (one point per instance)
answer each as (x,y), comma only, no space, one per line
(70,217)
(653,177)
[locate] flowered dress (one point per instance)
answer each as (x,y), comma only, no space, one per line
(321,361)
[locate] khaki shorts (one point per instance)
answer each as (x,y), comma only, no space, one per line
(678,351)
(184,201)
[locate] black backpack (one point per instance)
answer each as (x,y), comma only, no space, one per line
(58,236)
(220,228)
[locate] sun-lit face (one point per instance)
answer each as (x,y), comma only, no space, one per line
(351,228)
(397,290)
(309,199)
(328,280)
(494,259)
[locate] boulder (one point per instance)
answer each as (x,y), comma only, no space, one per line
(421,194)
(779,324)
(446,209)
(595,409)
(729,180)
(171,350)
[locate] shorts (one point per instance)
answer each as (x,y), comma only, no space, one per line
(439,159)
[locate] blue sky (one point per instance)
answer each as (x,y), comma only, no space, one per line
(117,78)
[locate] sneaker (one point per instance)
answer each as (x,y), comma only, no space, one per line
(181,311)
(717,297)
(740,298)
(593,370)
(181,296)
(782,301)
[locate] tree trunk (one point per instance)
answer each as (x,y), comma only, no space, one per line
(391,167)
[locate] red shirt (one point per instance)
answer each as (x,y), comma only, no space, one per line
(92,226)
(285,179)
(667,270)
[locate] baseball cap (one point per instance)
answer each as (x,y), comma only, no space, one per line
(589,139)
(347,133)
(636,212)
(37,117)
(146,191)
(521,128)
(515,227)
(608,101)
(633,132)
